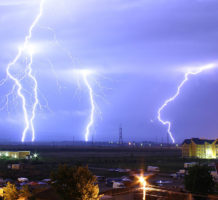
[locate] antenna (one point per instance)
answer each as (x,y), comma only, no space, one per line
(120,135)
(167,139)
(92,139)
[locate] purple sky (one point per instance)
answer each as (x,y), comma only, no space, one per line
(138,51)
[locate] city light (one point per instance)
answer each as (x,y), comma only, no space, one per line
(143,182)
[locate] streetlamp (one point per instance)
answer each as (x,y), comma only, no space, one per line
(143,182)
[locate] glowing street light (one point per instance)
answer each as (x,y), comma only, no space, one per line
(143,182)
(35,155)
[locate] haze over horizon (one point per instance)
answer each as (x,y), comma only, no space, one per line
(137,53)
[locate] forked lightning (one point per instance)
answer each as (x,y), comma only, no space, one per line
(17,82)
(186,78)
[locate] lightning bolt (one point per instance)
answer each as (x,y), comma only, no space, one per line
(18,89)
(85,74)
(35,89)
(186,78)
(17,81)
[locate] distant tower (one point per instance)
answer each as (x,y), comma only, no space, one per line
(120,135)
(92,139)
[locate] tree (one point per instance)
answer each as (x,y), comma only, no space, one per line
(75,183)
(10,192)
(25,192)
(199,180)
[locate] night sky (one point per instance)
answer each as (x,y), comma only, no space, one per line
(138,52)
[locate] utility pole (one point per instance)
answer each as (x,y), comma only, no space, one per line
(92,139)
(120,135)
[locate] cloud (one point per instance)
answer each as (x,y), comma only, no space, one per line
(14,2)
(146,43)
(15,120)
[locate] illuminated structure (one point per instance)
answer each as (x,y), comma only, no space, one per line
(15,154)
(200,148)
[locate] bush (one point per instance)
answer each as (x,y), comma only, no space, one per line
(10,192)
(75,183)
(199,180)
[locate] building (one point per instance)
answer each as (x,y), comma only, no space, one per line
(15,166)
(15,154)
(200,148)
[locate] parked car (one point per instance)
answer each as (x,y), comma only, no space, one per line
(109,181)
(118,185)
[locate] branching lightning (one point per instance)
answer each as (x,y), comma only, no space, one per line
(186,78)
(17,82)
(20,91)
(85,74)
(35,89)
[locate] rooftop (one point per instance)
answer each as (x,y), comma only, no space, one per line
(198,141)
